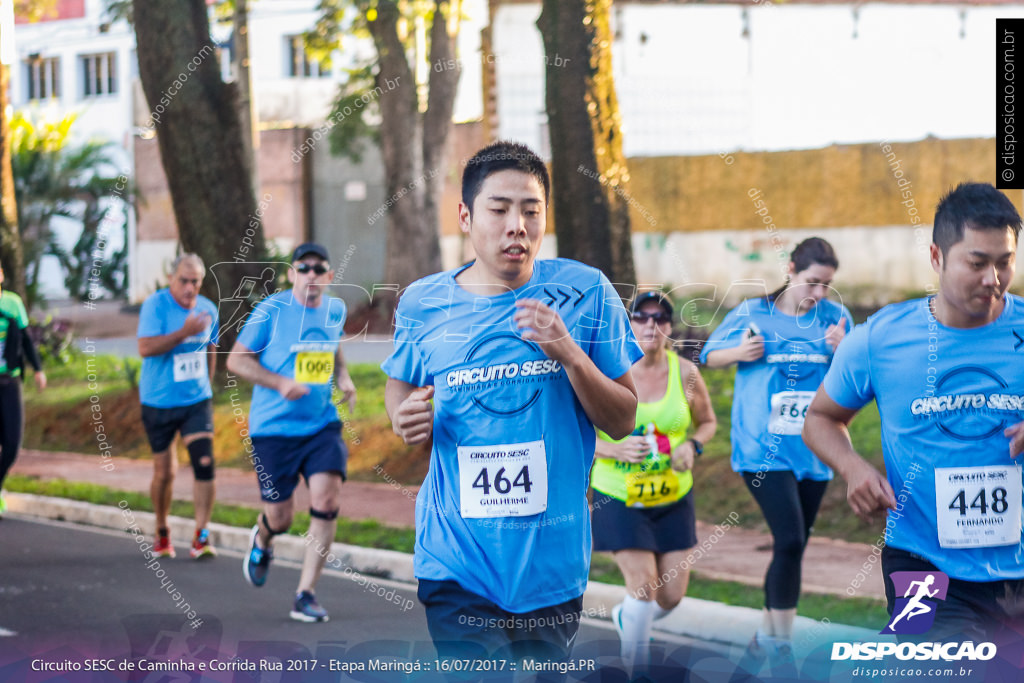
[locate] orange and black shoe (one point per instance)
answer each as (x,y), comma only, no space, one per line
(201,546)
(162,547)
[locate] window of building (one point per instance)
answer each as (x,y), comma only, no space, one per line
(300,64)
(99,74)
(42,77)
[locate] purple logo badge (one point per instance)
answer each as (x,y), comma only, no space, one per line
(915,611)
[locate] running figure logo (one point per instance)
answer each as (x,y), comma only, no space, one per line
(914,613)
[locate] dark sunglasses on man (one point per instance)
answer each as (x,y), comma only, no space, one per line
(305,268)
(659,317)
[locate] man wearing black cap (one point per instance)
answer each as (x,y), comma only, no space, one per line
(289,349)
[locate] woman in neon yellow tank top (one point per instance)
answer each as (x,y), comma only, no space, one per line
(643,507)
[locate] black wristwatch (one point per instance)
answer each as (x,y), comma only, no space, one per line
(698,447)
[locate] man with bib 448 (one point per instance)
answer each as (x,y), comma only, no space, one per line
(946,373)
(508,364)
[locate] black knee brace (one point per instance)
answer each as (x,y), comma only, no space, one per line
(320,514)
(270,530)
(199,450)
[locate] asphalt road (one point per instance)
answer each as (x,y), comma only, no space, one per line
(75,596)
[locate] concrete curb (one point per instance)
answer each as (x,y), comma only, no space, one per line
(693,618)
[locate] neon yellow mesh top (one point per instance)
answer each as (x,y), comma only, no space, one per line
(652,482)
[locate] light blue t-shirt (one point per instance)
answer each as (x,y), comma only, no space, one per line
(299,343)
(180,377)
(503,510)
(945,395)
(772,393)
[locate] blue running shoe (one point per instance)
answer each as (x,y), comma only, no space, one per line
(257,562)
(308,609)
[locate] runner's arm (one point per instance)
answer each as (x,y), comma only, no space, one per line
(826,434)
(750,349)
(245,363)
(410,410)
(1016,436)
(162,343)
(211,360)
(697,397)
(343,381)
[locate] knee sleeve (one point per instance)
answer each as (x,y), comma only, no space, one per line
(200,451)
(320,514)
(270,530)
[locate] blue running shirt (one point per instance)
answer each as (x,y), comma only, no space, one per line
(772,393)
(503,510)
(945,396)
(299,343)
(180,377)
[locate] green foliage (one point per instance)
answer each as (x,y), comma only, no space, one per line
(355,116)
(53,339)
(53,180)
(367,533)
(132,370)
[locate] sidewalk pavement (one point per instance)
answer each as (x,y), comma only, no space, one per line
(723,552)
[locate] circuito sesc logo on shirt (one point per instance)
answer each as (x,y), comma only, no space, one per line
(504,383)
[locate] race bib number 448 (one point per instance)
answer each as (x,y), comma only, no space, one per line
(508,480)
(978,506)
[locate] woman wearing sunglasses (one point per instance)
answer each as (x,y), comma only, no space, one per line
(643,507)
(782,345)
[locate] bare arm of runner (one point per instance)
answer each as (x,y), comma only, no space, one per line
(410,410)
(825,433)
(634,449)
(609,403)
(749,350)
(245,363)
(161,344)
(343,382)
(700,409)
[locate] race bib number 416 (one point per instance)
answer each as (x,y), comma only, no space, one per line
(978,506)
(508,480)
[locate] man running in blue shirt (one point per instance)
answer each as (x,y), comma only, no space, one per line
(290,350)
(508,364)
(946,372)
(177,336)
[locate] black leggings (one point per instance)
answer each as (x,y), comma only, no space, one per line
(789,507)
(11,423)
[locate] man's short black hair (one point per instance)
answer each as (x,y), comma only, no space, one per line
(502,156)
(977,206)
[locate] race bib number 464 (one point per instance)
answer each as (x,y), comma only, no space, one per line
(978,506)
(508,480)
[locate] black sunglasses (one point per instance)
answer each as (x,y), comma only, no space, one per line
(305,268)
(659,317)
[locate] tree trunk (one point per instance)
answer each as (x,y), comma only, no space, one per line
(10,239)
(201,146)
(414,145)
(588,169)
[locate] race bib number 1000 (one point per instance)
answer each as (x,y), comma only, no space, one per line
(978,506)
(509,480)
(314,367)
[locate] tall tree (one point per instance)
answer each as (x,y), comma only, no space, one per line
(201,147)
(588,167)
(10,239)
(414,92)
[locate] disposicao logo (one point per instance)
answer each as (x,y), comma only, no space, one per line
(914,614)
